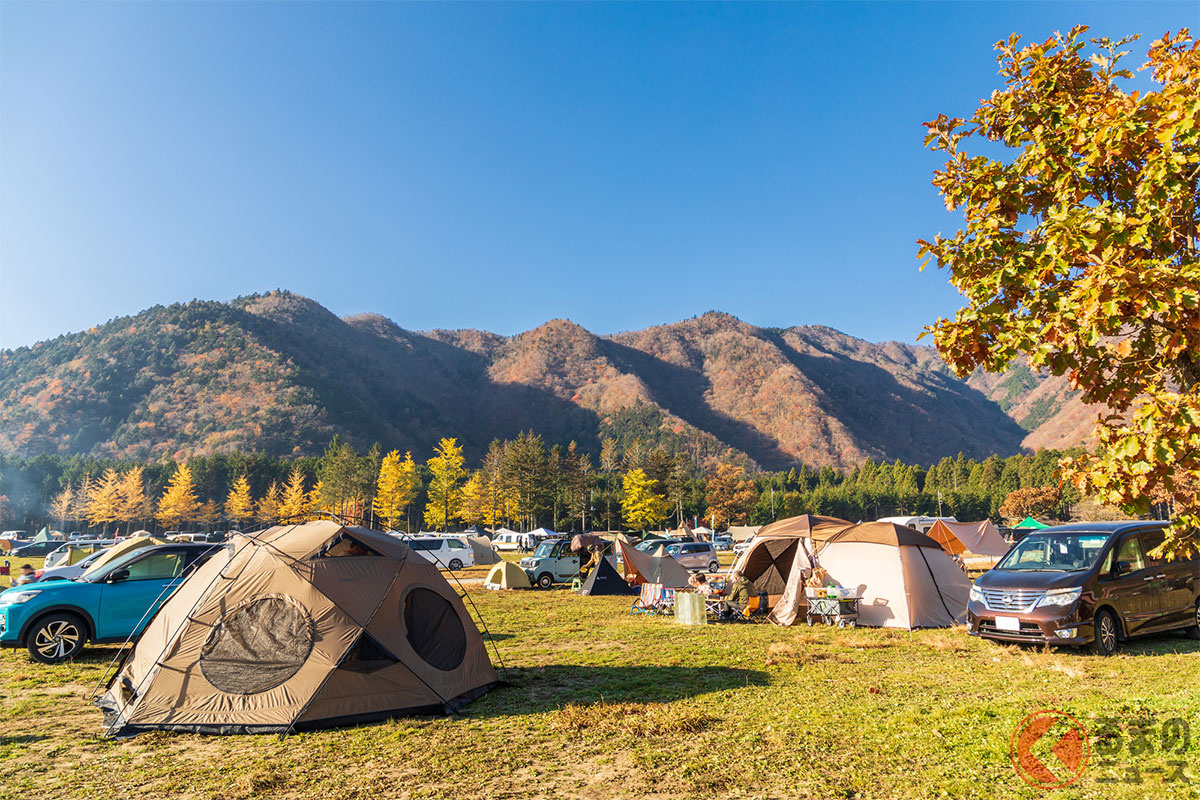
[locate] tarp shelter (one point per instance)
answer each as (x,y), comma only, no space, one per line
(481,548)
(956,538)
(301,627)
(121,548)
(740,533)
(475,530)
(78,552)
(587,541)
(501,531)
(605,580)
(43,536)
(1030,522)
(506,575)
(702,530)
(906,580)
(780,551)
(644,568)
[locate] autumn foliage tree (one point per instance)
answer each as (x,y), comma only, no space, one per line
(293,503)
(731,495)
(239,505)
(178,503)
(395,488)
(642,505)
(1079,252)
(445,486)
(104,499)
(1032,501)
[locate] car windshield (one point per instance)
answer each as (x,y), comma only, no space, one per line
(94,575)
(1055,552)
(545,549)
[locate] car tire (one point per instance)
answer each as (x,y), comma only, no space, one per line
(713,567)
(1104,641)
(455,564)
(56,638)
(1194,631)
(495,548)
(545,580)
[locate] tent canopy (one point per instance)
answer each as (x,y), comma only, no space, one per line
(888,533)
(1030,522)
(300,627)
(644,568)
(506,575)
(807,525)
(605,580)
(584,541)
(740,533)
(481,548)
(982,538)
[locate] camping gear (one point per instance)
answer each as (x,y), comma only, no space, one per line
(506,575)
(689,608)
(121,548)
(832,605)
(905,579)
(43,536)
(605,580)
(295,628)
(481,548)
(644,568)
(587,541)
(654,599)
(1030,522)
(980,538)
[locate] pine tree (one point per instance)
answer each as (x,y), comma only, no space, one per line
(293,506)
(239,506)
(178,503)
(642,506)
(445,489)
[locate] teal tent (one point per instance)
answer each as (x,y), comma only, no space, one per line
(43,536)
(1030,522)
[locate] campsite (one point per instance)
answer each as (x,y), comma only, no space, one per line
(592,700)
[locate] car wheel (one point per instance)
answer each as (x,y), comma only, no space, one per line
(495,548)
(713,566)
(1105,641)
(455,564)
(1194,631)
(545,580)
(56,638)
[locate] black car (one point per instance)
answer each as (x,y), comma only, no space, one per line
(35,549)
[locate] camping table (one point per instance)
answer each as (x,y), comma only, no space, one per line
(840,611)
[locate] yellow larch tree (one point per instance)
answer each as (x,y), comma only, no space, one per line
(131,493)
(267,509)
(62,504)
(239,505)
(294,504)
(476,501)
(178,503)
(641,504)
(445,488)
(104,499)
(395,488)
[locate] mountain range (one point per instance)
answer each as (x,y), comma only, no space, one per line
(278,373)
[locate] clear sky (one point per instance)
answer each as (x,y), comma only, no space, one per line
(494,165)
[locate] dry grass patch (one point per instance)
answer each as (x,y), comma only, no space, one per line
(636,719)
(952,642)
(790,653)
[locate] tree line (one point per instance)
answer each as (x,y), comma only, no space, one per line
(520,484)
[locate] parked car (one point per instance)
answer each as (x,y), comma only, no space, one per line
(61,554)
(695,556)
(1089,584)
(446,553)
(742,547)
(552,562)
(54,620)
(507,542)
(723,543)
(70,572)
(35,549)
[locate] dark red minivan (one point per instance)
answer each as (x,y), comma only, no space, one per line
(1092,583)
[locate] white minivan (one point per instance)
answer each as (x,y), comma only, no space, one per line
(444,551)
(507,541)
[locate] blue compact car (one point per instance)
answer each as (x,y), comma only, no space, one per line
(54,620)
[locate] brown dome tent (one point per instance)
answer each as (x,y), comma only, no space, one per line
(779,560)
(299,627)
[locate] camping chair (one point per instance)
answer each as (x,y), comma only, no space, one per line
(755,611)
(649,600)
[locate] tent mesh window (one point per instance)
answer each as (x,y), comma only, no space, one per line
(258,646)
(434,629)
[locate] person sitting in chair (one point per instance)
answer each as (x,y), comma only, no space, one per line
(738,592)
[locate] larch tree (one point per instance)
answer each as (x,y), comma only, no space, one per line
(104,499)
(63,504)
(293,505)
(239,505)
(267,508)
(641,504)
(445,485)
(730,496)
(1079,252)
(133,505)
(474,509)
(395,488)
(178,503)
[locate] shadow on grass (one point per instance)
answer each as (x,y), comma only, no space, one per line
(538,689)
(25,739)
(1162,644)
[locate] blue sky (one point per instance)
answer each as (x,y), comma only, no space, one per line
(493,165)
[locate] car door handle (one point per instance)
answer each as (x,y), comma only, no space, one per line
(1148,578)
(1161,575)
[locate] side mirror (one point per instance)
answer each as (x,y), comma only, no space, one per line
(1122,568)
(117,576)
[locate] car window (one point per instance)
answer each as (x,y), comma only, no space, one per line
(455,544)
(424,544)
(158,566)
(1149,541)
(1131,551)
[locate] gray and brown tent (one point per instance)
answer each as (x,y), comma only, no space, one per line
(299,627)
(644,568)
(481,549)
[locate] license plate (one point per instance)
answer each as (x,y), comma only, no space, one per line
(1008,624)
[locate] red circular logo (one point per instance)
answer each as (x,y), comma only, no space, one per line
(1049,749)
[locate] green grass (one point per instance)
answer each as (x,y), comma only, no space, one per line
(604,704)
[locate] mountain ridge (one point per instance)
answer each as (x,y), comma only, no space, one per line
(280,373)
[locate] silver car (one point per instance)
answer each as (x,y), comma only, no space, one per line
(695,555)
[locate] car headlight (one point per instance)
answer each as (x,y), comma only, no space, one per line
(13,598)
(976,594)
(1059,597)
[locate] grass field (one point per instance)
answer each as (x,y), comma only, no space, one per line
(604,704)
